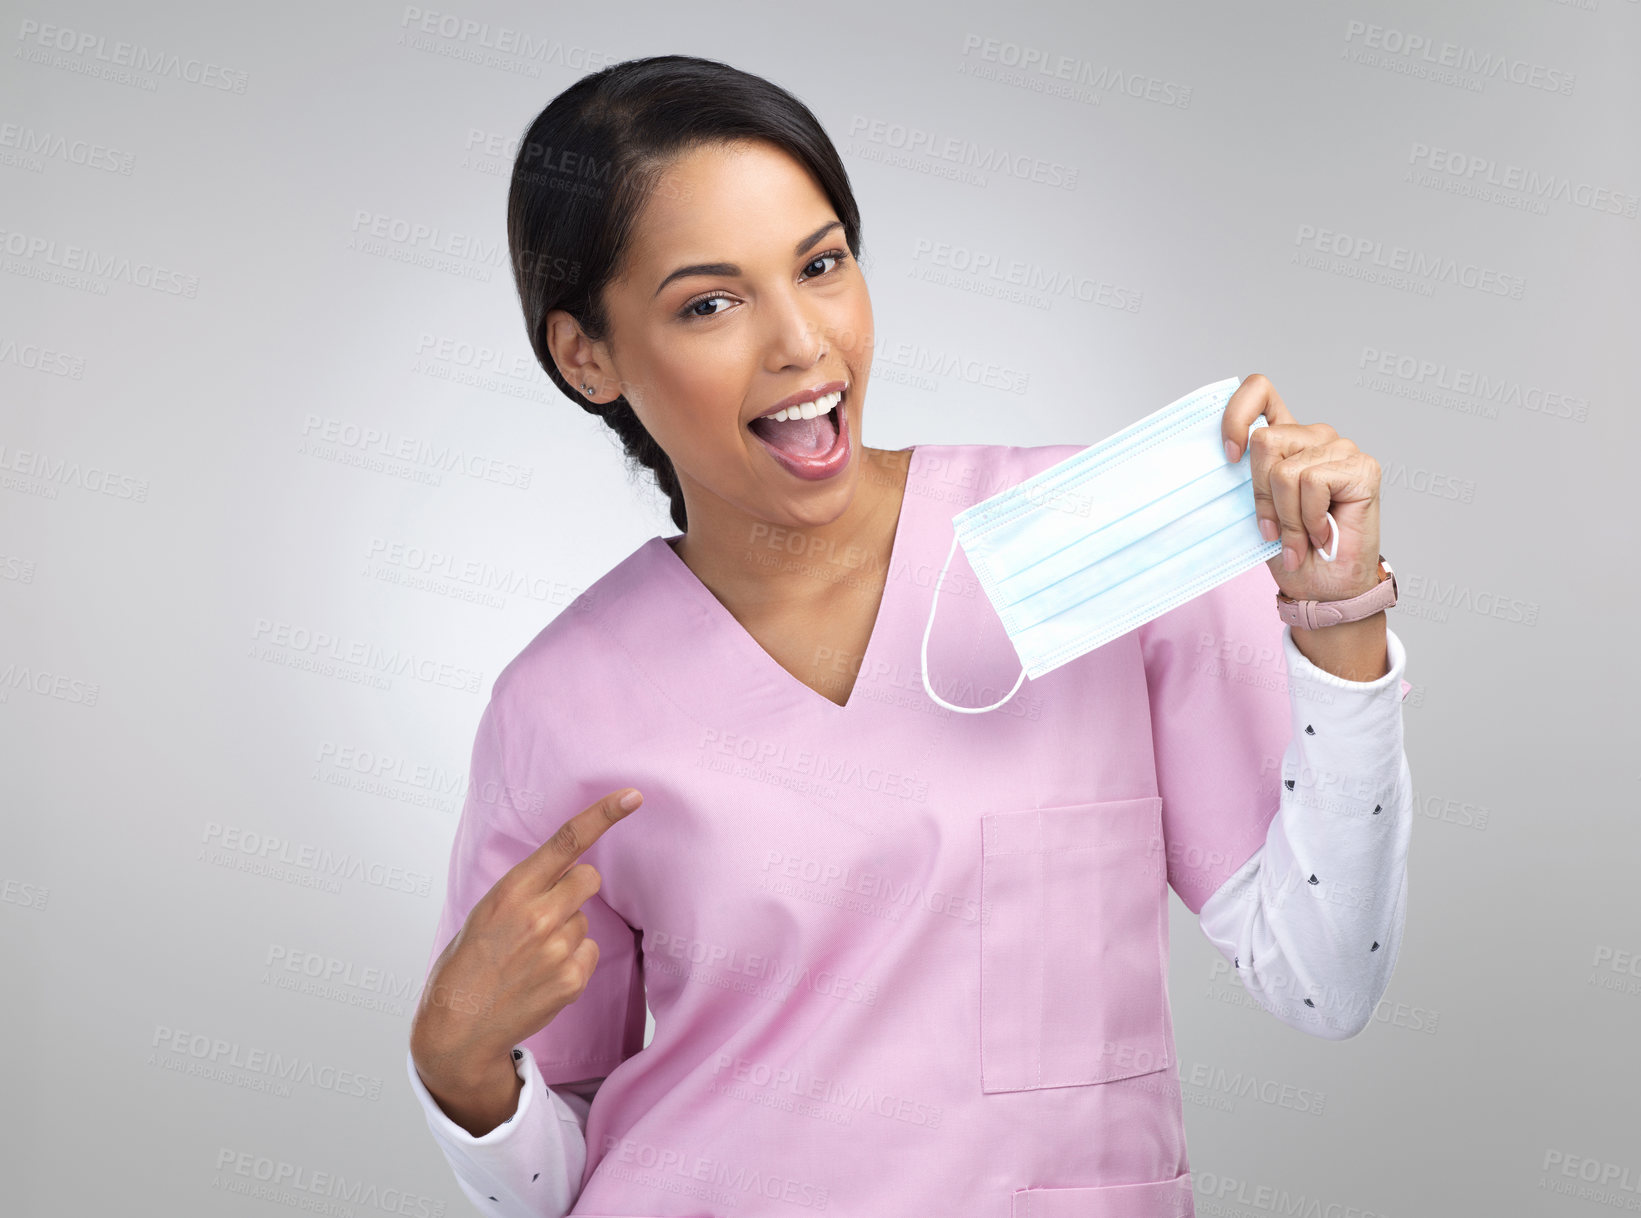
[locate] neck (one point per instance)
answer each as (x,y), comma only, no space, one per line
(760,564)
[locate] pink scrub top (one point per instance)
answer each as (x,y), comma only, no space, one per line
(900,960)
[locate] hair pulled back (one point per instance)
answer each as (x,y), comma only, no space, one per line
(587,165)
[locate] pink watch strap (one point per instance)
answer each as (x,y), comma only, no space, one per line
(1313,615)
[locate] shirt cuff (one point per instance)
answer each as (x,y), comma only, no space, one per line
(1301,668)
(532,1162)
(448,1130)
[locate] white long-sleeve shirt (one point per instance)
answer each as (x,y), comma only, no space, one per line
(530,1165)
(1302,960)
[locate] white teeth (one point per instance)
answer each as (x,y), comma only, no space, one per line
(807,410)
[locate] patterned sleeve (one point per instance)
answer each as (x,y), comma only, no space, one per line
(530,1165)
(1287,804)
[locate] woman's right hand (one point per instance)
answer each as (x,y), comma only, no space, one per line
(520,958)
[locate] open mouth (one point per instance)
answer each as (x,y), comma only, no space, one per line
(801,437)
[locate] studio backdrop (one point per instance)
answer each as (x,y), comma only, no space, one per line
(282,488)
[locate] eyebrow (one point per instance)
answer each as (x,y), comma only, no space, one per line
(729,268)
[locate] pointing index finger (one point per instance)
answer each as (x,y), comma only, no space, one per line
(559,853)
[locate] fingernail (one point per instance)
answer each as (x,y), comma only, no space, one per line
(1268,529)
(1231,453)
(631,800)
(1290,558)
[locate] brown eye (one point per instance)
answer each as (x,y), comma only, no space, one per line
(836,255)
(688,311)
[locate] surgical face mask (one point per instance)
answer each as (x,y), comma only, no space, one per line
(1113,536)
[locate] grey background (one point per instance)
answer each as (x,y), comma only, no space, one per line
(189,279)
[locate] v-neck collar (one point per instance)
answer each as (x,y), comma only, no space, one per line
(774,675)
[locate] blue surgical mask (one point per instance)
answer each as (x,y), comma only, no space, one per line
(1113,536)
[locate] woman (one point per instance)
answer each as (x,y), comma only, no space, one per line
(900,960)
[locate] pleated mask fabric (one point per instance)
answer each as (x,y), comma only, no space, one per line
(1114,536)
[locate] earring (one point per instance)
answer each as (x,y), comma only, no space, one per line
(587,389)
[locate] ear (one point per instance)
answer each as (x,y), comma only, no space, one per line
(583,363)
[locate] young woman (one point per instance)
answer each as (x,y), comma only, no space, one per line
(900,960)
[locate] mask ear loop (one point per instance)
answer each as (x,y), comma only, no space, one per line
(929,626)
(1326,555)
(1333,540)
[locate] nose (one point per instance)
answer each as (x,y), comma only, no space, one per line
(794,336)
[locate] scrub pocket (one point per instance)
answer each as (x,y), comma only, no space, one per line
(1073,978)
(1154,1199)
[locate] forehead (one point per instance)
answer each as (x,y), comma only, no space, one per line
(728,201)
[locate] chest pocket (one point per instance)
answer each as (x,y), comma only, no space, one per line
(1073,977)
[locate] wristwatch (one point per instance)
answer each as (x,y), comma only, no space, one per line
(1313,615)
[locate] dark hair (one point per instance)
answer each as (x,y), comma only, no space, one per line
(588,163)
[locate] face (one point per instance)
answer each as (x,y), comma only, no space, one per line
(781,309)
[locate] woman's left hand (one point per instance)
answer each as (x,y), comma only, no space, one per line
(1301,471)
